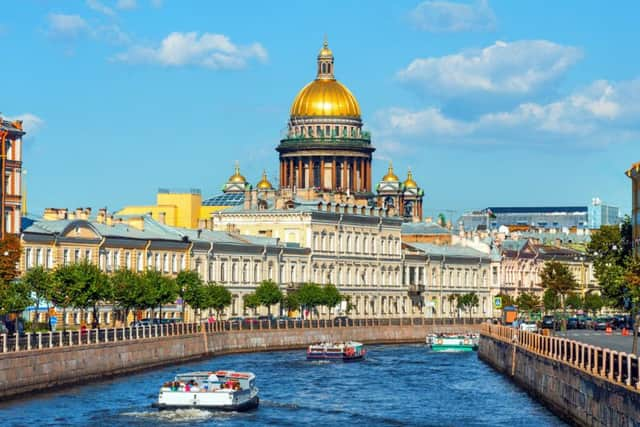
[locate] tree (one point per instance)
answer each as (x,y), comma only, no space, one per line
(188,281)
(507,300)
(311,296)
(251,301)
(452,300)
(66,289)
(126,291)
(574,301)
(218,297)
(166,292)
(592,302)
(558,277)
(38,280)
(9,257)
(467,302)
(528,302)
(94,287)
(610,249)
(268,294)
(550,300)
(290,301)
(331,296)
(15,297)
(632,278)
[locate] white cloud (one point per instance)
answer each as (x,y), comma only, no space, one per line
(100,8)
(30,122)
(66,26)
(215,51)
(126,4)
(600,114)
(515,68)
(444,16)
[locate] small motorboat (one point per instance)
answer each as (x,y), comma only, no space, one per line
(347,351)
(217,391)
(453,342)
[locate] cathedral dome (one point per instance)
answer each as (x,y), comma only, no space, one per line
(264,183)
(325,96)
(390,176)
(409,182)
(237,178)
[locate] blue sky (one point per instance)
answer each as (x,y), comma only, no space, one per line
(489,102)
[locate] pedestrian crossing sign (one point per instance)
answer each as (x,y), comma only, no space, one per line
(497,302)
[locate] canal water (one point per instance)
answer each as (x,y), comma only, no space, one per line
(396,386)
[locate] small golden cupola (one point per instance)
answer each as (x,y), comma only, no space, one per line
(409,182)
(390,176)
(236,183)
(264,183)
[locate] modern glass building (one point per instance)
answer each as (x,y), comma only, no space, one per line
(601,214)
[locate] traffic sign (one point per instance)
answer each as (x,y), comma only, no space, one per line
(497,302)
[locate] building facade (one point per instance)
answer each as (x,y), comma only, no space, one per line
(634,174)
(11,134)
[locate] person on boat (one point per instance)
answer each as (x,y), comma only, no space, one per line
(187,387)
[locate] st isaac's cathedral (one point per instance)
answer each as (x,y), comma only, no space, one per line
(326,155)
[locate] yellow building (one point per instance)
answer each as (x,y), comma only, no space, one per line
(187,209)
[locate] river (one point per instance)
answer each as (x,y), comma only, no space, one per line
(396,386)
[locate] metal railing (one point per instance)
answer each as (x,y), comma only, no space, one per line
(616,366)
(48,340)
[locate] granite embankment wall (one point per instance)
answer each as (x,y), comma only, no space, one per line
(585,385)
(42,369)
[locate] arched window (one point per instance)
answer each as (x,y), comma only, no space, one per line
(223,276)
(324,68)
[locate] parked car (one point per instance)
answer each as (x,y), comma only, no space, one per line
(549,322)
(529,326)
(584,322)
(3,328)
(236,320)
(572,323)
(601,324)
(141,323)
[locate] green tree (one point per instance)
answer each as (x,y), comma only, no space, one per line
(331,296)
(166,293)
(574,301)
(15,297)
(251,301)
(94,288)
(592,303)
(311,296)
(467,302)
(218,297)
(507,300)
(10,251)
(268,293)
(127,289)
(156,290)
(188,282)
(550,300)
(558,277)
(452,300)
(632,278)
(66,289)
(290,301)
(38,280)
(528,302)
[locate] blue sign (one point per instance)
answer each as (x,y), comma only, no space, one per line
(53,320)
(497,302)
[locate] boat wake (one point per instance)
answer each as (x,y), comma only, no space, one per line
(179,415)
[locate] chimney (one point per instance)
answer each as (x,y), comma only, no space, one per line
(136,222)
(109,220)
(102,214)
(202,223)
(162,217)
(79,213)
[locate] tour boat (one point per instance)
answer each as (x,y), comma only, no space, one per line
(219,391)
(346,351)
(453,342)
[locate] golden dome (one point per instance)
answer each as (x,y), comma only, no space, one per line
(409,182)
(325,51)
(237,177)
(390,176)
(264,183)
(325,98)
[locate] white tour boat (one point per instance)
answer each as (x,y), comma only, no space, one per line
(220,391)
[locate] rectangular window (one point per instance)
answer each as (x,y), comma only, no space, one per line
(49,259)
(109,261)
(139,261)
(174,263)
(76,255)
(39,256)
(127,260)
(183,263)
(28,259)
(65,257)
(116,260)
(87,255)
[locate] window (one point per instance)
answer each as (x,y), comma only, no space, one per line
(165,263)
(76,255)
(87,255)
(183,262)
(139,261)
(234,272)
(127,260)
(158,266)
(49,259)
(222,272)
(109,261)
(116,260)
(174,263)
(256,272)
(28,258)
(65,257)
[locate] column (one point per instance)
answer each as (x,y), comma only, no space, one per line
(291,171)
(352,174)
(368,175)
(333,174)
(281,177)
(344,173)
(321,172)
(311,174)
(362,187)
(300,173)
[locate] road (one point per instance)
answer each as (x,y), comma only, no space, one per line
(615,341)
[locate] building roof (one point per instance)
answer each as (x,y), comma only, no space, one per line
(537,209)
(14,127)
(424,228)
(225,199)
(455,251)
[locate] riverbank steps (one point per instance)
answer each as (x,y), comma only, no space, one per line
(26,372)
(574,394)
